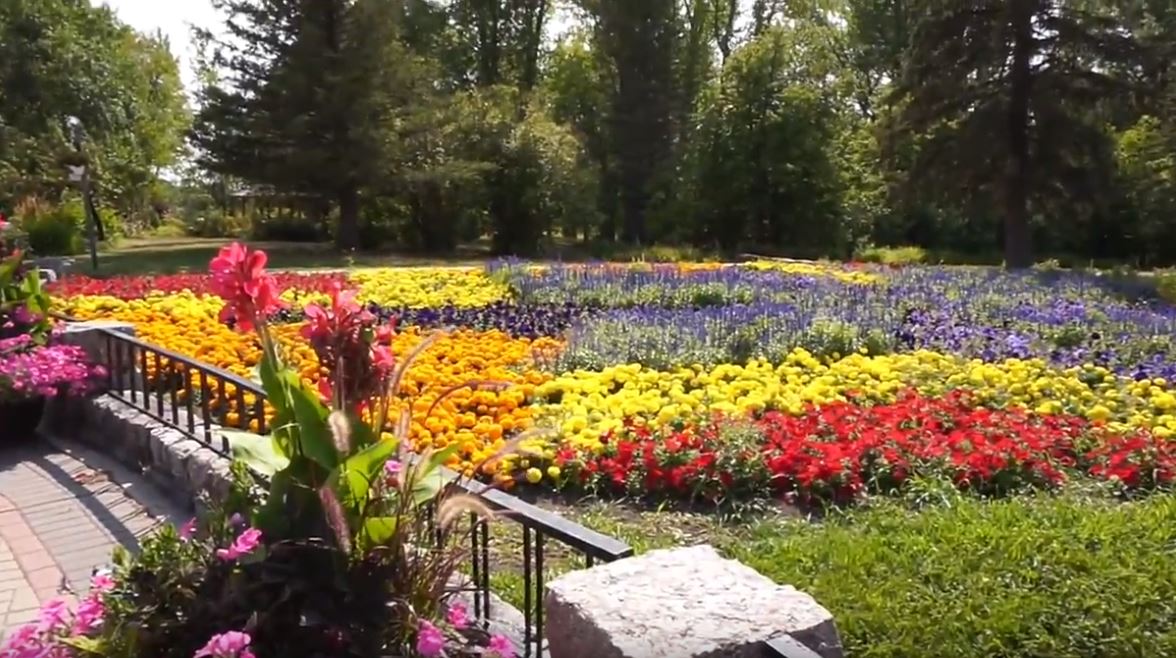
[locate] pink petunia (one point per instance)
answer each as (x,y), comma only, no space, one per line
(233,644)
(457,615)
(500,647)
(188,530)
(430,641)
(244,544)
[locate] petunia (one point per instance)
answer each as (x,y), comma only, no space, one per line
(232,644)
(457,615)
(430,641)
(244,544)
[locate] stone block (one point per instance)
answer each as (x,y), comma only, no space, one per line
(680,603)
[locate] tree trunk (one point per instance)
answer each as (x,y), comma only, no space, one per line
(347,238)
(1018,249)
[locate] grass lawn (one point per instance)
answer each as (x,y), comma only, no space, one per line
(173,255)
(1068,576)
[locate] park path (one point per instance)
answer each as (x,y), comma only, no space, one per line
(63,509)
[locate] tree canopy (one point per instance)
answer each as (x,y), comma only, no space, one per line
(1014,129)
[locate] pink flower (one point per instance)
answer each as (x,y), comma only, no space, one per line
(101,582)
(430,641)
(248,540)
(457,615)
(89,615)
(392,469)
(52,615)
(233,644)
(501,647)
(188,530)
(238,277)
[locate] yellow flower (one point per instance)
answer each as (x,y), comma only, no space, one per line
(534,475)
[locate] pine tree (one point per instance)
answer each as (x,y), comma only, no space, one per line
(996,90)
(311,86)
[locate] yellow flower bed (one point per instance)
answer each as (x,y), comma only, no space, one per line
(857,277)
(585,405)
(477,420)
(427,287)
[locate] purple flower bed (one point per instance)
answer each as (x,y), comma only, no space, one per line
(519,320)
(29,370)
(664,318)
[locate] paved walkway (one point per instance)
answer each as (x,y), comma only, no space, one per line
(63,509)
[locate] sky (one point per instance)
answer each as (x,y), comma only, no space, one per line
(174,18)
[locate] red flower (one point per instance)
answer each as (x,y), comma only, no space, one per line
(239,277)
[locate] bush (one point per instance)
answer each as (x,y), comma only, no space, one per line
(217,224)
(286,229)
(892,255)
(56,230)
(1061,577)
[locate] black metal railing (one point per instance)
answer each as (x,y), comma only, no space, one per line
(192,397)
(196,398)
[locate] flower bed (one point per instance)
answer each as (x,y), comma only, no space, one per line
(1077,367)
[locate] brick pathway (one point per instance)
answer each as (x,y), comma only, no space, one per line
(63,509)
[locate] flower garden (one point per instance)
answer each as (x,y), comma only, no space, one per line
(808,382)
(976,445)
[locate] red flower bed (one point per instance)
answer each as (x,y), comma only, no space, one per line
(137,287)
(836,452)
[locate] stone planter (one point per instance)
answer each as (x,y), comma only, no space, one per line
(19,418)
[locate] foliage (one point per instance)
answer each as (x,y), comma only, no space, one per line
(61,59)
(956,93)
(24,305)
(1010,574)
(909,255)
(56,230)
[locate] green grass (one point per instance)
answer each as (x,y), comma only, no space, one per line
(162,255)
(1039,577)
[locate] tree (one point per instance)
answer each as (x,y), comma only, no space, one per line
(764,171)
(639,38)
(63,59)
(310,90)
(502,39)
(994,88)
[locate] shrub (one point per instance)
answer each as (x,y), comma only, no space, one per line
(892,255)
(217,224)
(286,229)
(56,230)
(1062,577)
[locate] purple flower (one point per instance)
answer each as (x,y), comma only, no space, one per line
(30,370)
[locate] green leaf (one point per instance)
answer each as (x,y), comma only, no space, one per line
(362,468)
(314,434)
(428,479)
(378,530)
(89,645)
(271,517)
(275,387)
(263,454)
